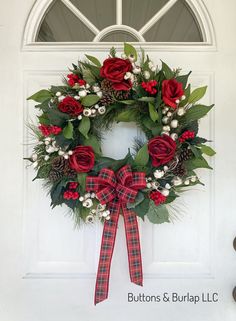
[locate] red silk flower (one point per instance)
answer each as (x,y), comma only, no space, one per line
(161,149)
(172,90)
(114,69)
(82,159)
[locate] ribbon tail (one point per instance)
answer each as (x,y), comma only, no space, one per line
(133,246)
(106,252)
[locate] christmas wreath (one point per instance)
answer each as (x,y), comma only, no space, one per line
(68,156)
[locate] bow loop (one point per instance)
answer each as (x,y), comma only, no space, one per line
(124,175)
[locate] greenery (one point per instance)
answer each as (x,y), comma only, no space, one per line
(146,108)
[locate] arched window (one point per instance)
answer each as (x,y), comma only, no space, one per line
(117,21)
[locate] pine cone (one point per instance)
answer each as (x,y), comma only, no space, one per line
(69,171)
(180,170)
(107,93)
(60,168)
(185,155)
(110,95)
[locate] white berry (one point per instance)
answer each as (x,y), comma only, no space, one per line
(167,186)
(186,182)
(82,93)
(99,94)
(165,192)
(159,174)
(165,120)
(166,128)
(77,97)
(146,74)
(181,111)
(102,110)
(58,94)
(174,123)
(34,157)
(177,181)
(61,98)
(46,158)
(174,136)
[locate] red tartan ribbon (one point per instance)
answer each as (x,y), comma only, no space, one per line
(116,190)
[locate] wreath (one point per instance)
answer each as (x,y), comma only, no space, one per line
(73,119)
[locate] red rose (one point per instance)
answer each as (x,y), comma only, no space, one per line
(82,159)
(114,69)
(157,197)
(171,91)
(161,149)
(70,106)
(74,79)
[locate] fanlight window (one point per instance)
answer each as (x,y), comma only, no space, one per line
(119,21)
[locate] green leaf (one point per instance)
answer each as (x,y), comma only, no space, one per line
(197,94)
(187,94)
(167,71)
(40,96)
(196,112)
(156,130)
(90,100)
(127,102)
(68,130)
(43,119)
(127,115)
(94,60)
(157,214)
(142,208)
(142,156)
(152,112)
(129,50)
(183,79)
(197,163)
(147,99)
(84,126)
(207,150)
(139,198)
(57,118)
(113,52)
(82,181)
(196,151)
(93,141)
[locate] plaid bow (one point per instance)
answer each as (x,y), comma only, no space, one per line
(116,190)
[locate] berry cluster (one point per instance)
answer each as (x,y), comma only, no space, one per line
(157,197)
(74,79)
(71,193)
(149,86)
(186,135)
(47,130)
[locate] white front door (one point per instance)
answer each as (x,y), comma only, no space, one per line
(48,268)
